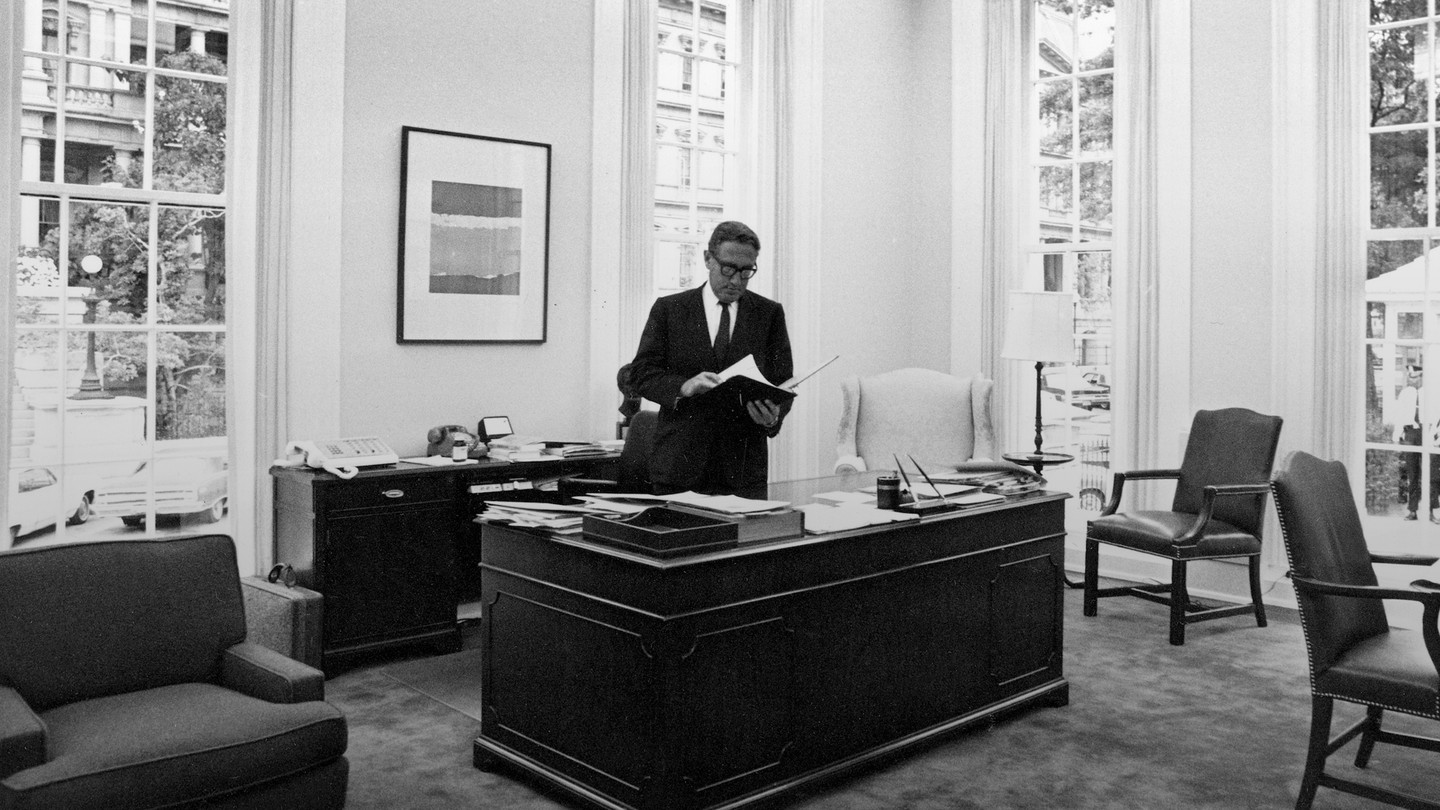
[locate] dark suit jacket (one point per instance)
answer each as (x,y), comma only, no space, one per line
(713,447)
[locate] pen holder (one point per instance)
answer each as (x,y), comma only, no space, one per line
(887,492)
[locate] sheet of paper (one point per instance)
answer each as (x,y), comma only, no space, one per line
(744,367)
(731,504)
(840,496)
(822,519)
(438,461)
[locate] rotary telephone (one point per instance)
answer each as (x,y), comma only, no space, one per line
(441,441)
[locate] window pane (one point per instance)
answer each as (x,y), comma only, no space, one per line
(1398,164)
(192,265)
(1397,93)
(678,266)
(190,127)
(1387,482)
(1056,105)
(1096,115)
(1056,203)
(109,254)
(1383,11)
(190,395)
(1095,189)
(1054,38)
(1097,34)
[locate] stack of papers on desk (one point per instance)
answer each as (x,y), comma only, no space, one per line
(822,518)
(573,449)
(727,504)
(556,517)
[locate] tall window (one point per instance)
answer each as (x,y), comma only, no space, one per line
(695,135)
(119,422)
(1070,243)
(1402,286)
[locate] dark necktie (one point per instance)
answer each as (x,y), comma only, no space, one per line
(722,335)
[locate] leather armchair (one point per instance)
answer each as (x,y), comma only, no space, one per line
(126,682)
(940,419)
(634,472)
(1217,513)
(1353,652)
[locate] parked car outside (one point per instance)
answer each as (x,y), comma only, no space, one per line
(36,502)
(1087,386)
(183,485)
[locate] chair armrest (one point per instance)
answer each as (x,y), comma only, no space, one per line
(570,487)
(849,464)
(1403,559)
(262,673)
(1207,507)
(1122,477)
(1422,591)
(22,734)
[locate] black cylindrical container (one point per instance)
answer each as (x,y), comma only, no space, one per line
(887,491)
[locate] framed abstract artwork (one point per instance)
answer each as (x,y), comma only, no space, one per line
(474,238)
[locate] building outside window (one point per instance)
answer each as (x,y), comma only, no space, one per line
(118,381)
(695,119)
(1071,237)
(1402,276)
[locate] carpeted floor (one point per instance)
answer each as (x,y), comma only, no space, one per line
(1218,723)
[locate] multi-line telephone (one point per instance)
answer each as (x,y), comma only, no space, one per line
(341,457)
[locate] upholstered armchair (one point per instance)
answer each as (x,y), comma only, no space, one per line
(1354,654)
(126,682)
(935,417)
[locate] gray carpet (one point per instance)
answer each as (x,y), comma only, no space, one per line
(1218,723)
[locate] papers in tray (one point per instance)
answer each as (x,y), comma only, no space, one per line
(556,517)
(724,504)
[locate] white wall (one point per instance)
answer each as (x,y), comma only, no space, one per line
(1231,259)
(886,233)
(509,70)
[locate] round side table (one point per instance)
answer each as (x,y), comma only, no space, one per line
(1038,461)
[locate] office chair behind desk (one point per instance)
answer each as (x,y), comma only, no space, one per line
(634,473)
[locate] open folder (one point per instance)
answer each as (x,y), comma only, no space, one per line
(743,382)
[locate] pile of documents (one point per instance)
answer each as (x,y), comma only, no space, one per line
(518,448)
(555,517)
(755,519)
(573,449)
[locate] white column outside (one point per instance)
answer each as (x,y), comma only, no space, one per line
(29,206)
(197,41)
(99,78)
(122,45)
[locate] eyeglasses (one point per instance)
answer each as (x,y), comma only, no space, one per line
(728,270)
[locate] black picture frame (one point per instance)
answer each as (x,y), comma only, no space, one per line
(474,246)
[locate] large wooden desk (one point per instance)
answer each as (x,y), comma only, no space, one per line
(725,678)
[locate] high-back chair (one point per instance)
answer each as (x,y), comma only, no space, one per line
(126,682)
(633,474)
(935,417)
(1217,513)
(1354,653)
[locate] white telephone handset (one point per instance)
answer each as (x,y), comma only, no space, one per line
(340,457)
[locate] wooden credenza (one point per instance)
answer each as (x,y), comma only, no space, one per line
(394,549)
(725,678)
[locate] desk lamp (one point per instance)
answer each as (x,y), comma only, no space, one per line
(1039,326)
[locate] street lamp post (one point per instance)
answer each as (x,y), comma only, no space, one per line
(90,387)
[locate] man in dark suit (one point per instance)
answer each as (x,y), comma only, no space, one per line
(713,447)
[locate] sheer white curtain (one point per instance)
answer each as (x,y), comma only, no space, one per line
(10,28)
(1008,203)
(1340,170)
(259,183)
(1136,402)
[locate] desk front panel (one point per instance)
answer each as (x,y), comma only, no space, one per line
(690,686)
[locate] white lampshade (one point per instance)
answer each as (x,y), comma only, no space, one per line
(1040,326)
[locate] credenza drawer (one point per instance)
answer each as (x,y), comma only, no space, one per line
(391,493)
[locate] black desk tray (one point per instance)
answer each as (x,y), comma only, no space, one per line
(662,532)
